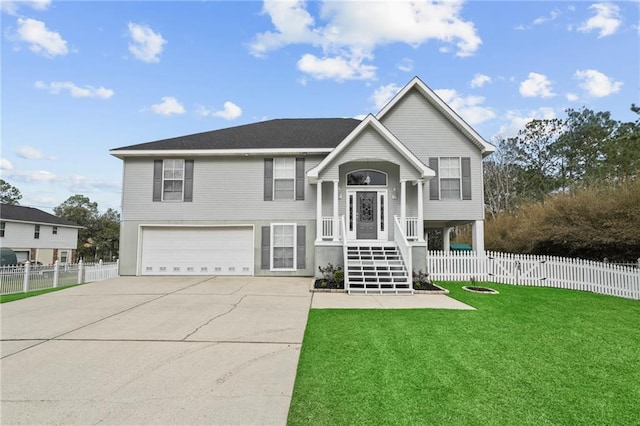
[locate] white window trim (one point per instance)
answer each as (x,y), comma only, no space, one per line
(281,178)
(386,177)
(36,232)
(295,248)
(440,178)
(3,228)
(54,230)
(164,180)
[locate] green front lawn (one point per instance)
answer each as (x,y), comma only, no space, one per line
(17,296)
(535,356)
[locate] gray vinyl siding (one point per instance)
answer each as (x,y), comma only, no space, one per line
(224,188)
(129,250)
(427,133)
(370,145)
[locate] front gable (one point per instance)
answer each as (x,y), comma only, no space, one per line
(428,126)
(370,141)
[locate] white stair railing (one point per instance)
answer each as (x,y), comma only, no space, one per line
(404,247)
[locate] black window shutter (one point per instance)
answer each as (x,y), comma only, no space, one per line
(157,180)
(266,247)
(466,178)
(301,247)
(268,179)
(299,178)
(434,183)
(188,180)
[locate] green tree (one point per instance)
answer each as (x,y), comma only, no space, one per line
(581,147)
(107,235)
(534,157)
(81,210)
(9,194)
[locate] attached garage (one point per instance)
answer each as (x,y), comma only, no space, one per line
(181,250)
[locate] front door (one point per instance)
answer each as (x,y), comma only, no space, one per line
(366,214)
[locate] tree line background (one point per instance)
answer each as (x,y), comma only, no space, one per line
(566,187)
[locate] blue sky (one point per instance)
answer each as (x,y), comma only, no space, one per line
(80,78)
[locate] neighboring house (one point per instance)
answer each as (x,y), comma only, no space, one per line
(284,197)
(37,236)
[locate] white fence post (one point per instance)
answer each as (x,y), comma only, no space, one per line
(25,283)
(80,271)
(56,274)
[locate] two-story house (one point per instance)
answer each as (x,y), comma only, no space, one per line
(38,236)
(284,197)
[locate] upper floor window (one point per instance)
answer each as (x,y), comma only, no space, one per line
(367,177)
(173,180)
(54,231)
(36,232)
(284,178)
(3,226)
(453,178)
(450,178)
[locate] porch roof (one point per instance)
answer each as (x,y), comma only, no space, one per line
(371,122)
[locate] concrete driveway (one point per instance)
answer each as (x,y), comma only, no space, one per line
(170,350)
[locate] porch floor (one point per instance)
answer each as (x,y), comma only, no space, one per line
(414,301)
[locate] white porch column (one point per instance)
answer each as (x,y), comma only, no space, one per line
(403,205)
(446,239)
(336,223)
(319,211)
(420,211)
(477,235)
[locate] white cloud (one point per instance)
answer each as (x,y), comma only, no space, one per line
(146,44)
(536,86)
(231,111)
(41,40)
(29,153)
(337,68)
(553,15)
(516,120)
(406,65)
(480,80)
(572,97)
(55,87)
(606,20)
(5,165)
(468,108)
(11,7)
(596,83)
(168,106)
(383,94)
(542,19)
(349,33)
(74,183)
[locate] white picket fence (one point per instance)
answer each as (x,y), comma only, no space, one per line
(21,279)
(532,270)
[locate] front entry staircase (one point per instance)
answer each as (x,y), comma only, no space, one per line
(376,269)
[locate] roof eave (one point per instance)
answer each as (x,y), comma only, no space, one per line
(124,153)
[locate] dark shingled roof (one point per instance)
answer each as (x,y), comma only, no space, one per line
(281,133)
(29,214)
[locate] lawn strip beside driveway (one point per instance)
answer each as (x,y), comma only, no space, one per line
(115,352)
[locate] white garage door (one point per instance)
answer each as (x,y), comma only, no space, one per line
(197,251)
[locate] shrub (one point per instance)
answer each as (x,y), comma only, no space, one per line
(333,275)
